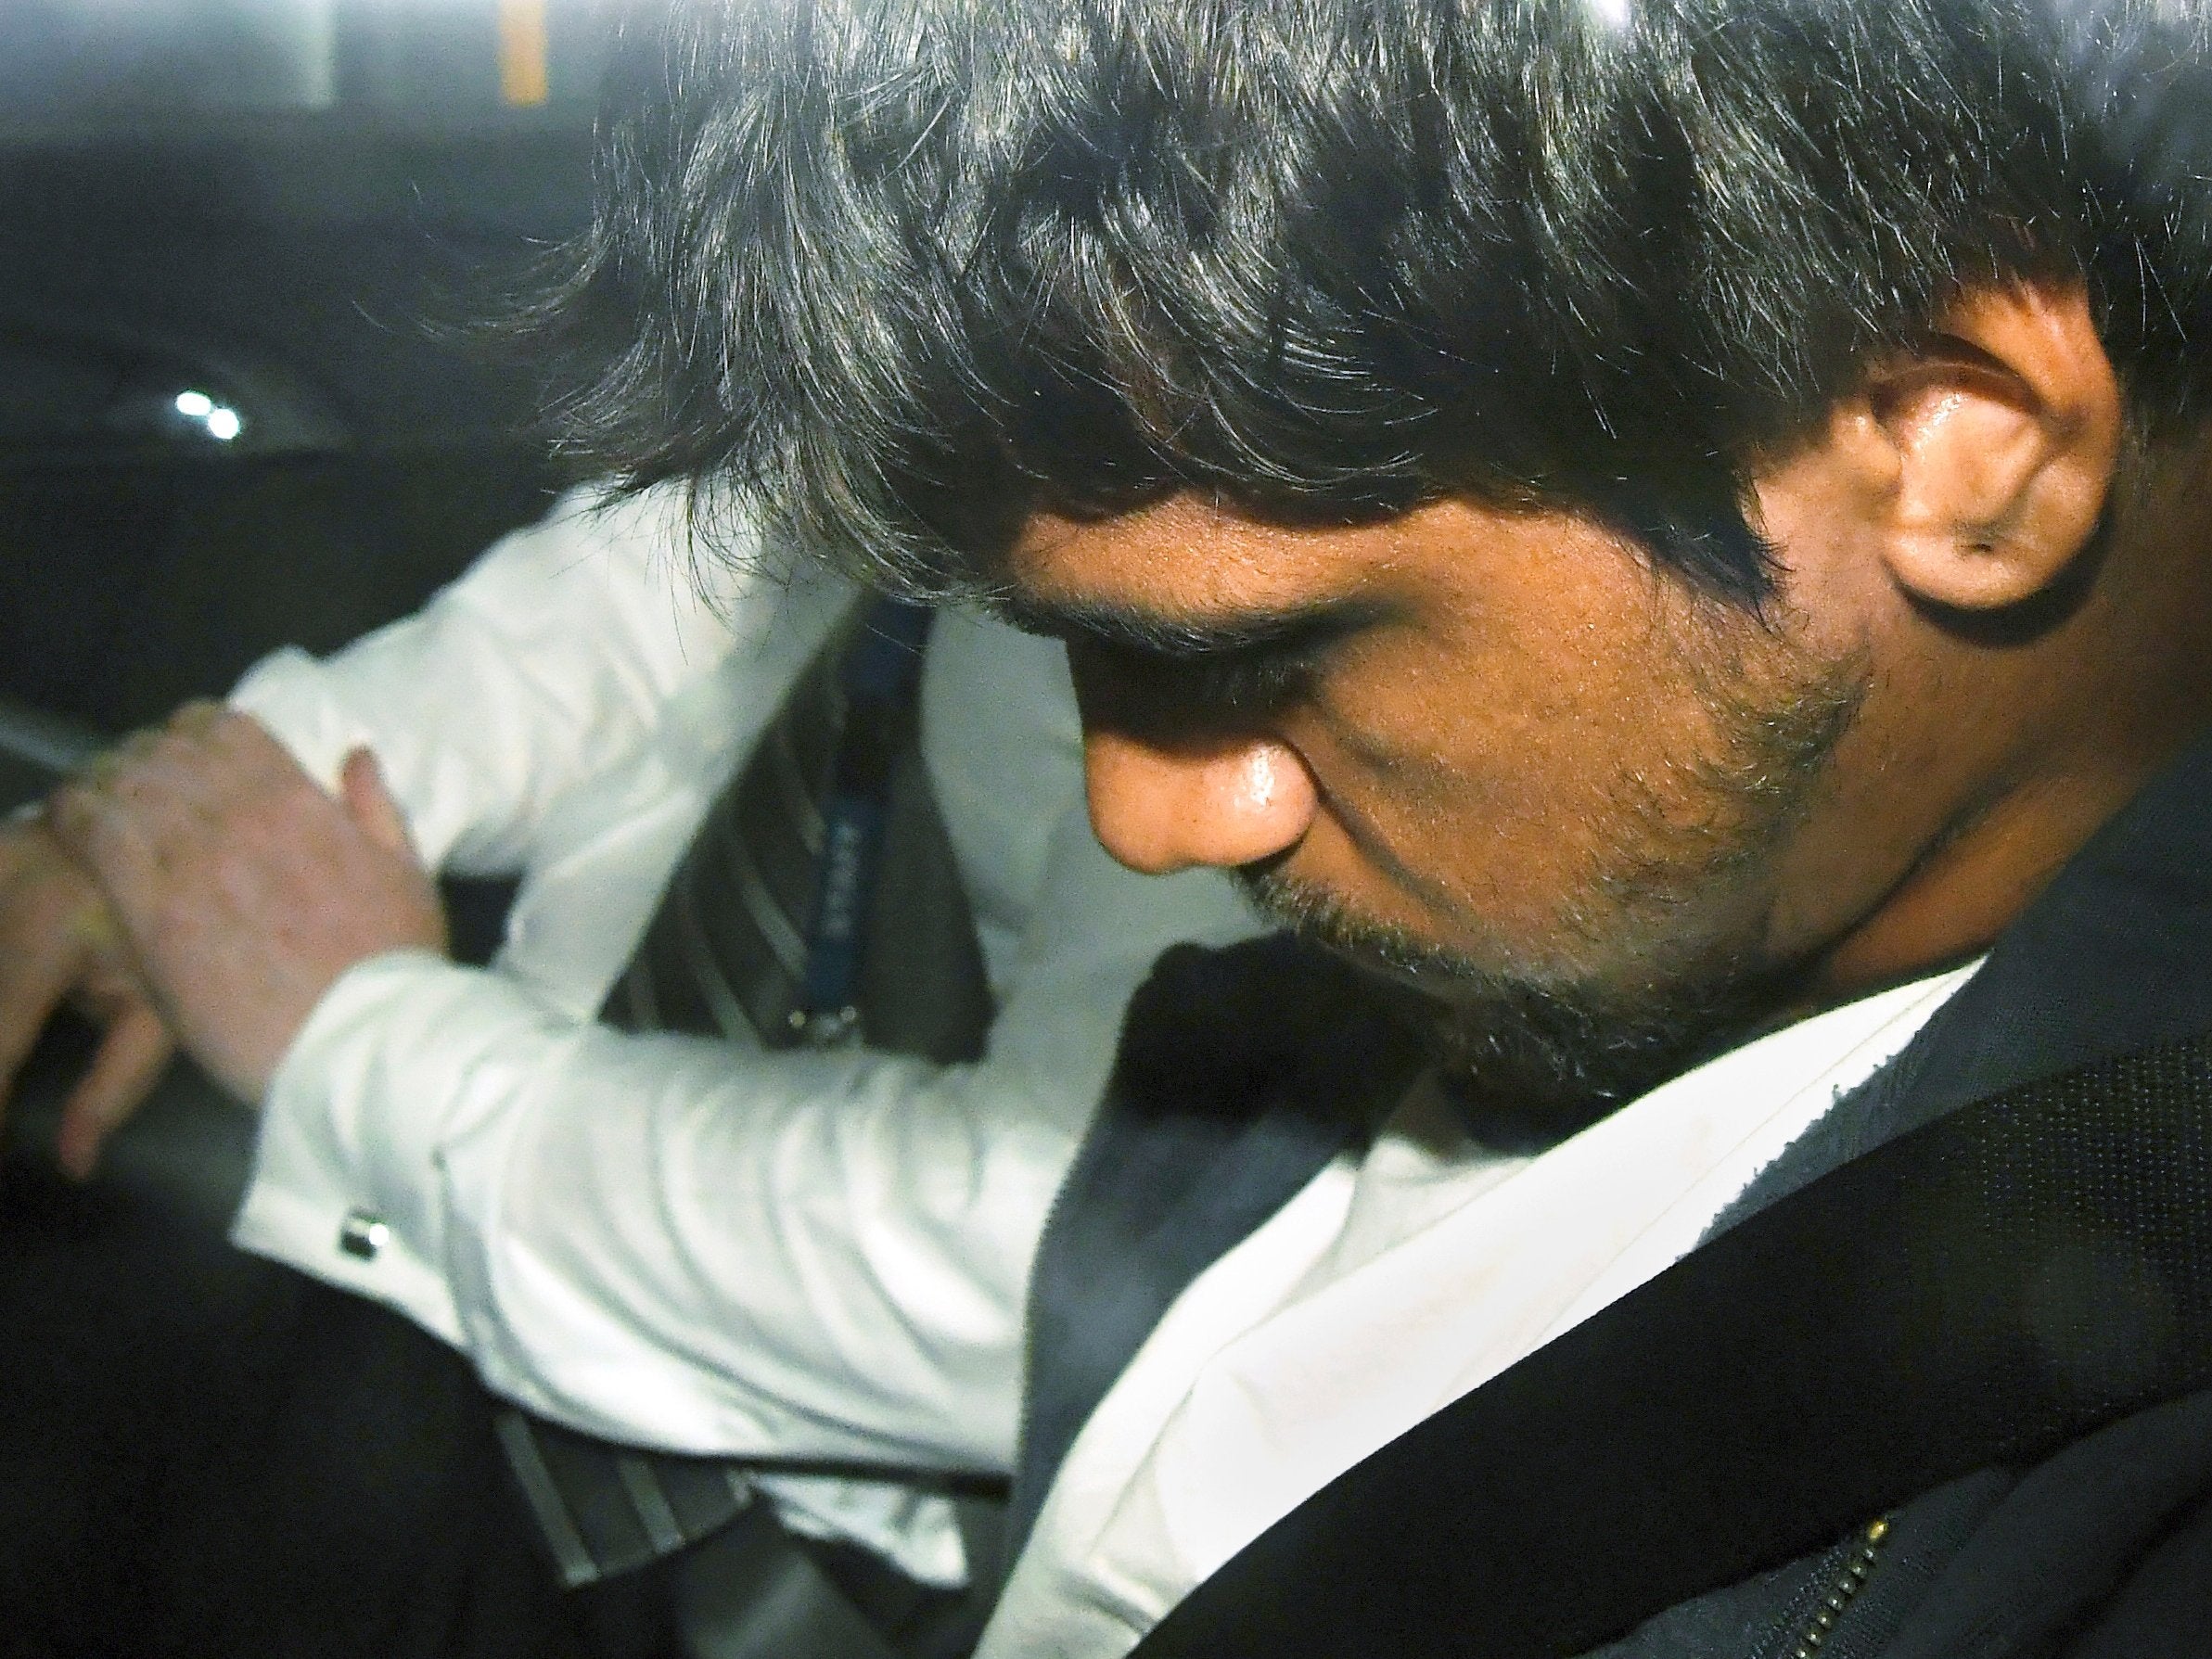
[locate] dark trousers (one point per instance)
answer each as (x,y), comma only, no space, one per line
(203,1453)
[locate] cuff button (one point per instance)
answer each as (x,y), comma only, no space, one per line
(365,1234)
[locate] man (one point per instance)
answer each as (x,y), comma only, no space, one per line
(813,1257)
(1668,528)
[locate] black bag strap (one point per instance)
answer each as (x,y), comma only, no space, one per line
(1978,1293)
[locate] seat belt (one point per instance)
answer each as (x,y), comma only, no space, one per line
(1939,1306)
(1198,1142)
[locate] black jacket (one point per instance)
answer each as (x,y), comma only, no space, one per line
(2101,1546)
(2106,1547)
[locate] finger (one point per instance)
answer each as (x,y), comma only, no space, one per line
(77,799)
(34,979)
(129,1062)
(104,835)
(114,821)
(370,805)
(50,914)
(163,760)
(118,757)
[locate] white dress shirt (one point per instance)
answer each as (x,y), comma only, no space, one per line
(665,1240)
(1395,1283)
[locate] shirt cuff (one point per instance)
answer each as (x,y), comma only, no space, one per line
(348,1181)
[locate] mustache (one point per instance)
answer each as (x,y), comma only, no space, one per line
(1320,918)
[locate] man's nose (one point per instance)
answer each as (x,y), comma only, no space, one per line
(1229,802)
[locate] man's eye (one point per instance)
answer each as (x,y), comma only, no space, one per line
(1250,686)
(1167,692)
(1164,692)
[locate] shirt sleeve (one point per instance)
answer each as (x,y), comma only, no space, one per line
(715,1250)
(668,1241)
(564,649)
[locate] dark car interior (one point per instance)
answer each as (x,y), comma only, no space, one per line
(244,396)
(244,402)
(254,255)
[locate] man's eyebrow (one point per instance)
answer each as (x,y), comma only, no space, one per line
(1193,639)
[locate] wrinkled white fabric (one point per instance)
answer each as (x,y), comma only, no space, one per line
(1391,1285)
(664,1240)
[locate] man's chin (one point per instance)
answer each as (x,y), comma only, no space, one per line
(1539,1063)
(1532,1060)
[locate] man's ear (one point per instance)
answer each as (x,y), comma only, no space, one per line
(1994,447)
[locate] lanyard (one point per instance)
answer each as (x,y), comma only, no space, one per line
(880,677)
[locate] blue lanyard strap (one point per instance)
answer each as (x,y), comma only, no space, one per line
(880,676)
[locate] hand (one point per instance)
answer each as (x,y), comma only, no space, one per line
(59,943)
(241,888)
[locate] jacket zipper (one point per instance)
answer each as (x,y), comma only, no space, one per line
(1858,1566)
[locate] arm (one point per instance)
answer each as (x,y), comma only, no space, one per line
(671,1240)
(566,648)
(570,650)
(797,1254)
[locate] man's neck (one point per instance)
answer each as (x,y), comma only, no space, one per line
(2071,718)
(1969,885)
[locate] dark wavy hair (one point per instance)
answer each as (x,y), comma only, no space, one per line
(900,271)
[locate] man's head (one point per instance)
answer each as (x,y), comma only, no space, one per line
(1603,506)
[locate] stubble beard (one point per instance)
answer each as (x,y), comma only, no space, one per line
(1537,1052)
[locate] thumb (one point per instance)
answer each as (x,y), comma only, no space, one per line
(369,804)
